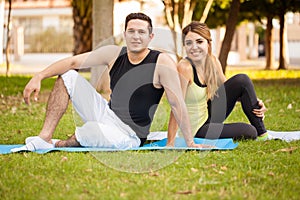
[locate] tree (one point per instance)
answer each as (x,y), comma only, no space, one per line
(179,13)
(282,8)
(271,9)
(103,17)
(283,64)
(206,11)
(230,29)
(83,25)
(264,9)
(8,36)
(269,47)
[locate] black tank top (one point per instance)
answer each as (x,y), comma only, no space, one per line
(134,99)
(196,79)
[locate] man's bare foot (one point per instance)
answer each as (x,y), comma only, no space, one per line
(70,142)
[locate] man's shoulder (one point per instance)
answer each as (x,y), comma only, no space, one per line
(164,56)
(107,54)
(108,49)
(155,50)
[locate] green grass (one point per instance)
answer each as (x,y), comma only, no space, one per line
(254,170)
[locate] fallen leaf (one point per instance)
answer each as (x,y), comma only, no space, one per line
(122,194)
(268,100)
(185,192)
(194,169)
(68,187)
(63,159)
(290,149)
(14,110)
(271,174)
(153,174)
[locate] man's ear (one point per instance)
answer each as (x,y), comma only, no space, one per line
(151,35)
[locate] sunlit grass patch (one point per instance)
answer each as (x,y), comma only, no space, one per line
(254,170)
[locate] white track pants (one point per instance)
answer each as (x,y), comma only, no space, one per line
(102,128)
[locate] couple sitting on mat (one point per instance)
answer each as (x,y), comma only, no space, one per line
(199,95)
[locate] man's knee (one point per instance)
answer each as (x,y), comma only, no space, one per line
(69,80)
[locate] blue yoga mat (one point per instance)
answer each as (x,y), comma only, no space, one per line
(219,144)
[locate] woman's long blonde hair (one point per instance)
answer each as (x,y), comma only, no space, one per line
(211,76)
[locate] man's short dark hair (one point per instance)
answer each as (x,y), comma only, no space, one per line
(140,16)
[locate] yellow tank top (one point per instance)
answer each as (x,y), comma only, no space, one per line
(196,104)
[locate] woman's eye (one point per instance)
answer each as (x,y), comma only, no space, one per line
(188,43)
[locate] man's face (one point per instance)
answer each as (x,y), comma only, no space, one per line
(137,35)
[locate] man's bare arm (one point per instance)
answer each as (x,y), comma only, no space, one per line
(102,56)
(185,72)
(169,79)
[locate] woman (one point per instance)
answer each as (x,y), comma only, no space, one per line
(209,97)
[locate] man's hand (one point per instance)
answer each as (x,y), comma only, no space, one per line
(34,85)
(261,111)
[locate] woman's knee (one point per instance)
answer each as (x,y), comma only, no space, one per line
(241,78)
(250,132)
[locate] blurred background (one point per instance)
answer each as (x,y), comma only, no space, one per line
(34,33)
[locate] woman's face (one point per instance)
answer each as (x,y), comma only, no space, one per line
(196,46)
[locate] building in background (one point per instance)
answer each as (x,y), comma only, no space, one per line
(47,26)
(40,26)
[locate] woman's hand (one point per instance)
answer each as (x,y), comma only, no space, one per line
(201,146)
(170,144)
(260,112)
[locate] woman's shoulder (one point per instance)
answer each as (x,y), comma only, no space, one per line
(184,64)
(185,67)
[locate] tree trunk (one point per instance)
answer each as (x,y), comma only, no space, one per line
(206,11)
(83,25)
(230,29)
(173,13)
(269,47)
(8,36)
(282,50)
(102,17)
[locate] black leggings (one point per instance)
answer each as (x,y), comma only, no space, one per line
(238,88)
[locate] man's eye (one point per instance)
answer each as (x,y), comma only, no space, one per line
(142,32)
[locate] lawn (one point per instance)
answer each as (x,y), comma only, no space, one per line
(254,170)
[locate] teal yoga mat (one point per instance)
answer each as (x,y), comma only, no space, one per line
(219,144)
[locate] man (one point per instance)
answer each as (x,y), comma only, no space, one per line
(138,78)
